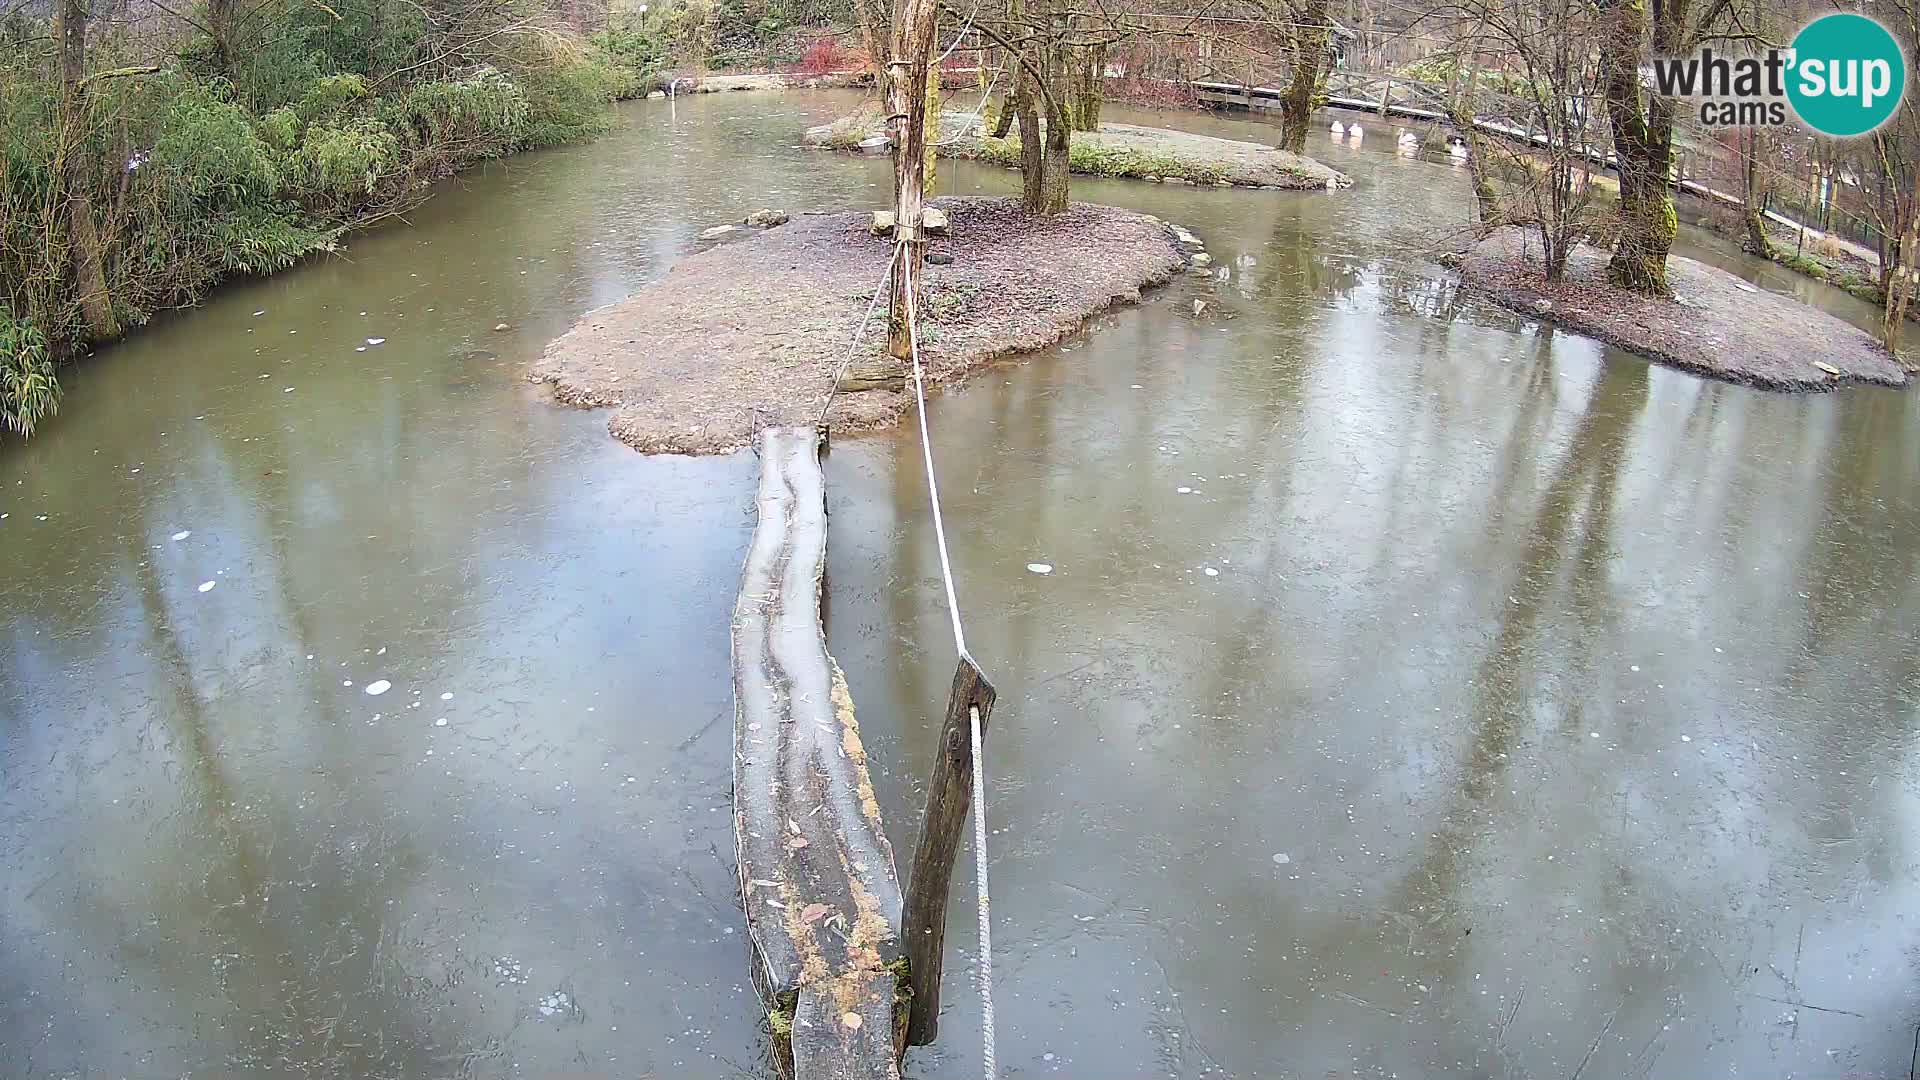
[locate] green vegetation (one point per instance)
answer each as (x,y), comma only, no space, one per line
(1091,159)
(245,136)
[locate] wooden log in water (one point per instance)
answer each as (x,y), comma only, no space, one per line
(949,795)
(816,871)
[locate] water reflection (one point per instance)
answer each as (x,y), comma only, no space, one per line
(1541,707)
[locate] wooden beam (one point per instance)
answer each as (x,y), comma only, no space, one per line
(816,870)
(949,796)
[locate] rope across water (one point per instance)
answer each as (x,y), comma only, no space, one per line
(905,266)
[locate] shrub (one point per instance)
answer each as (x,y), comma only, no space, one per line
(28,391)
(344,162)
(210,150)
(824,56)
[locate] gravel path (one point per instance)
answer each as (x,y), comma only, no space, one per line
(1716,324)
(752,333)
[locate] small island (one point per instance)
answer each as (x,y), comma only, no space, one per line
(754,332)
(1714,324)
(1127,151)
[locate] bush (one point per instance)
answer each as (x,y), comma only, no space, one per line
(243,160)
(342,163)
(28,391)
(210,150)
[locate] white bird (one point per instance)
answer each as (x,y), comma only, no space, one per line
(1338,129)
(1356,132)
(1408,137)
(1458,151)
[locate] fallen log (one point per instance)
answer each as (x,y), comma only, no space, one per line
(816,871)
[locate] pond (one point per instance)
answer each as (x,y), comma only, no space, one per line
(1417,691)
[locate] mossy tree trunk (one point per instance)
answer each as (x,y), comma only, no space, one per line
(1089,87)
(1900,279)
(74,161)
(1058,99)
(1462,110)
(933,116)
(1642,143)
(1753,143)
(1310,33)
(999,115)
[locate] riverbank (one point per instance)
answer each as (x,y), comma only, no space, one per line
(752,333)
(1715,324)
(243,150)
(1124,151)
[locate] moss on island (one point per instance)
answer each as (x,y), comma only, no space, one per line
(1120,151)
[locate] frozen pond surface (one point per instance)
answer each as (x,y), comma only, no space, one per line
(1388,688)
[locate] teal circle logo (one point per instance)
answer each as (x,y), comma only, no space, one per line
(1848,75)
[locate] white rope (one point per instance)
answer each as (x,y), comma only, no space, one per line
(886,275)
(973,711)
(977,112)
(926,453)
(980,878)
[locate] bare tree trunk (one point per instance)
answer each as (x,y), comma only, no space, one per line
(1754,205)
(907,71)
(1054,174)
(220,29)
(1901,283)
(1310,34)
(1643,143)
(872,17)
(1002,109)
(1033,155)
(83,234)
(1089,87)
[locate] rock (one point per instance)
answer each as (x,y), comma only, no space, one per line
(1202,259)
(1826,367)
(717,232)
(501,328)
(1541,307)
(873,376)
(882,223)
(1175,180)
(1199,308)
(933,221)
(766,219)
(1185,237)
(939,258)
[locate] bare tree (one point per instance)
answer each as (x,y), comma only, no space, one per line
(83,232)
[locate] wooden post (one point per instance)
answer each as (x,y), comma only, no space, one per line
(914,25)
(949,795)
(1386,95)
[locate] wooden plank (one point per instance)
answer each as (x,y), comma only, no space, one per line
(949,795)
(816,871)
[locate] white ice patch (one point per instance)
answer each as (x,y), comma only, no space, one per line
(378,687)
(207,586)
(1040,567)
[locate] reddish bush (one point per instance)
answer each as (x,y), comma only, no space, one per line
(825,56)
